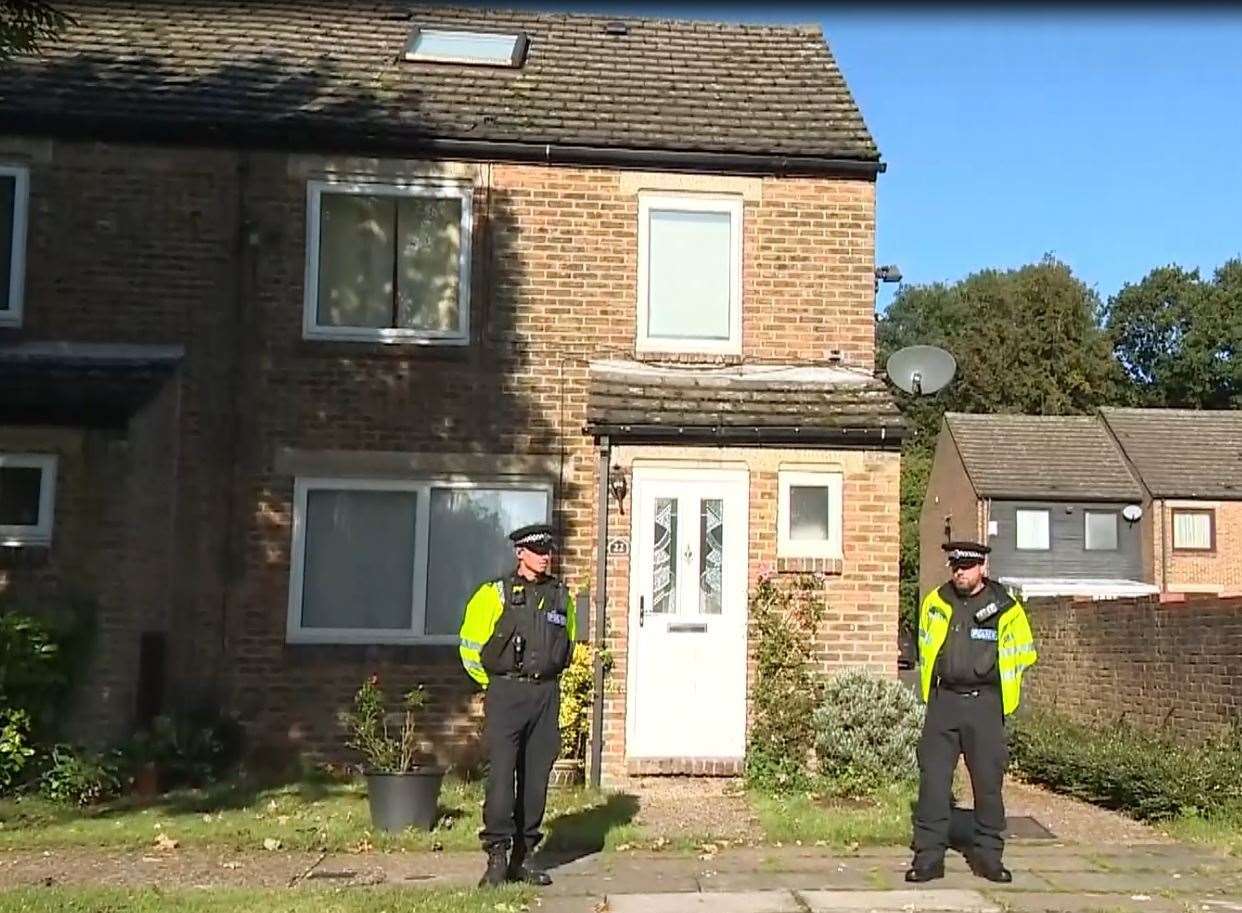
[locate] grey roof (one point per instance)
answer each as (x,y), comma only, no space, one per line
(1042,456)
(332,72)
(755,403)
(1182,453)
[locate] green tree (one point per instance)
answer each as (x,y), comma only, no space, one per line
(1177,336)
(1026,340)
(26,25)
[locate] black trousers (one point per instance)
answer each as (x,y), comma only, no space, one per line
(957,724)
(521,731)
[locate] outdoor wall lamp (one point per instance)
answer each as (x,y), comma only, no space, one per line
(617,484)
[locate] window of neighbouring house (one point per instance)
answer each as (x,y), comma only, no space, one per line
(689,274)
(388,263)
(14,202)
(27,498)
(1100,531)
(1194,530)
(1032,530)
(469,47)
(809,514)
(388,561)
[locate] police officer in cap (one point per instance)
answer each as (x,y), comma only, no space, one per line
(516,638)
(974,644)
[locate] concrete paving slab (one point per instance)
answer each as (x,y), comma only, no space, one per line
(1133,882)
(734,902)
(577,904)
(954,900)
(1040,902)
(791,881)
(1219,904)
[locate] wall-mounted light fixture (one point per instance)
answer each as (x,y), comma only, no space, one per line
(617,483)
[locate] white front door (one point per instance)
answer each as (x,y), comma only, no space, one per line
(687,634)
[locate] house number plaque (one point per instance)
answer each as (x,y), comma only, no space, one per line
(618,546)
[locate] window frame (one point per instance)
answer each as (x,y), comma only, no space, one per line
(295,633)
(1047,512)
(1086,546)
(1193,550)
(517,54)
(40,534)
(435,188)
(734,207)
(12,315)
(833,546)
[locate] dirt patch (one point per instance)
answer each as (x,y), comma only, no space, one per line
(675,807)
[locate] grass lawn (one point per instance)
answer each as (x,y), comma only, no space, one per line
(380,900)
(315,814)
(1223,831)
(885,821)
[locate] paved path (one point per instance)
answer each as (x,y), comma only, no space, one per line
(1155,878)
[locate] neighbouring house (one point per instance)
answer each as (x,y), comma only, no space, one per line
(306,305)
(1120,504)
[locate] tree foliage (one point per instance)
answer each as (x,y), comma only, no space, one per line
(1177,336)
(27,25)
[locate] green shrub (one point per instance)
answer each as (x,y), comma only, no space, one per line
(79,777)
(43,650)
(15,750)
(189,748)
(1149,776)
(866,732)
(783,622)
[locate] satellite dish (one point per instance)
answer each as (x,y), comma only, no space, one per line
(1131,512)
(921,369)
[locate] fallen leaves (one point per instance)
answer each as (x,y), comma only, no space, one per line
(166,843)
(271,844)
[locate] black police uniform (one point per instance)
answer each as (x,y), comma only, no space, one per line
(965,716)
(524,657)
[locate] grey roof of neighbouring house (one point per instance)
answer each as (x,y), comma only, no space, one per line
(321,72)
(1042,457)
(1182,453)
(750,403)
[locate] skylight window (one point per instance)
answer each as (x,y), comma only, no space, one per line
(481,48)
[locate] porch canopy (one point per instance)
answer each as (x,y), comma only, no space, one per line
(97,385)
(755,405)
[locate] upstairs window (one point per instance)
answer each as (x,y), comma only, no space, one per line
(27,498)
(388,262)
(689,274)
(1194,530)
(478,48)
(1100,531)
(14,200)
(1032,530)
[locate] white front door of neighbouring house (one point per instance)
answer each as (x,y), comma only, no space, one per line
(687,632)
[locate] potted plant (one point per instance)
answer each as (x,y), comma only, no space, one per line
(402,792)
(576,696)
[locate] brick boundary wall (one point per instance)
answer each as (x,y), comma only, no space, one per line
(1156,664)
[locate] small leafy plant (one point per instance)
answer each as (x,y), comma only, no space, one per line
(385,749)
(866,732)
(15,749)
(78,777)
(577,686)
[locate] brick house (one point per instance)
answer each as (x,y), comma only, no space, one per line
(1126,503)
(307,305)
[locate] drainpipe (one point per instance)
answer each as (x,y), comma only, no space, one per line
(601,609)
(1164,552)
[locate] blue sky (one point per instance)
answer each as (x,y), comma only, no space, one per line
(1111,139)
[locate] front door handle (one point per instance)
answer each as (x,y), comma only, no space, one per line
(642,610)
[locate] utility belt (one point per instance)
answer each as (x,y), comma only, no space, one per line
(968,690)
(527,677)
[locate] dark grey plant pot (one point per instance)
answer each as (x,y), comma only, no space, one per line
(405,800)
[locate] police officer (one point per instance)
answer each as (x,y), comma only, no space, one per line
(974,644)
(516,638)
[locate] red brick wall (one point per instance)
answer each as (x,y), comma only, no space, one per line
(1218,571)
(1153,663)
(207,248)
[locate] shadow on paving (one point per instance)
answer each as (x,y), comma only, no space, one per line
(585,832)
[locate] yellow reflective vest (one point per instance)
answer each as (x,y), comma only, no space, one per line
(482,612)
(1014,642)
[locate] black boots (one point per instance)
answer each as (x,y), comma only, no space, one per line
(992,871)
(497,866)
(917,874)
(501,869)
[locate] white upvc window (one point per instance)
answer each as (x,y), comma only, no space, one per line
(14,207)
(689,274)
(388,262)
(1032,530)
(1100,530)
(395,560)
(809,514)
(27,498)
(1194,530)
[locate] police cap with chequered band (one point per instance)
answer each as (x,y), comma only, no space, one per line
(537,537)
(965,554)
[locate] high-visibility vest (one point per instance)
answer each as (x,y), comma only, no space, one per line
(1014,643)
(479,621)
